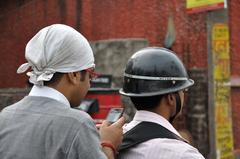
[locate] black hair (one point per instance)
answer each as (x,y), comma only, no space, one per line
(55,79)
(146,103)
(57,76)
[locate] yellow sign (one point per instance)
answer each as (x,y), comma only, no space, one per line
(222,92)
(194,6)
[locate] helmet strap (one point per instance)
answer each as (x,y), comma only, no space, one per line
(178,107)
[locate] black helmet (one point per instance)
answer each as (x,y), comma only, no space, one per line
(154,71)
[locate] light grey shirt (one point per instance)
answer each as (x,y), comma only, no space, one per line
(39,127)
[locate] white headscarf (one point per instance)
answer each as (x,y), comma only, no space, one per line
(56,48)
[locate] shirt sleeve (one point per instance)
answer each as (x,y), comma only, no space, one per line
(86,143)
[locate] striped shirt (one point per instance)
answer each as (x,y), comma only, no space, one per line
(158,148)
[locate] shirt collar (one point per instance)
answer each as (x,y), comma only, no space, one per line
(48,92)
(143,115)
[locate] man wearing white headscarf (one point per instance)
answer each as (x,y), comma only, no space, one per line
(43,125)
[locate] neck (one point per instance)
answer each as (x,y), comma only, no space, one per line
(162,110)
(61,89)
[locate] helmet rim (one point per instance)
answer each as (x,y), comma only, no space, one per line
(186,85)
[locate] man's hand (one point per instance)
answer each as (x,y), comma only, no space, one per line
(112,133)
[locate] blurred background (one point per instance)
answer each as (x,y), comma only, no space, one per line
(204,33)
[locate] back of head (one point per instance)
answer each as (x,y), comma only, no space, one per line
(153,72)
(56,48)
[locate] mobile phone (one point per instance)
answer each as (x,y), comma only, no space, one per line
(114,114)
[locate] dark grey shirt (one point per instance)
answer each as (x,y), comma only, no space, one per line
(43,128)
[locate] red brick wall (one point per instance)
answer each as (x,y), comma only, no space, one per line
(234,24)
(18,24)
(99,20)
(148,19)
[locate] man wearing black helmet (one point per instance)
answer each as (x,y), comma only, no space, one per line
(155,80)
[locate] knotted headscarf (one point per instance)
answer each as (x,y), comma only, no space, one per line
(56,48)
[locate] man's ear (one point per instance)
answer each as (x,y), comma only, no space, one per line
(73,77)
(171,99)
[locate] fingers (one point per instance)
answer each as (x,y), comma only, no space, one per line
(119,123)
(112,133)
(105,123)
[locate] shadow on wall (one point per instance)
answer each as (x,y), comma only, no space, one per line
(111,56)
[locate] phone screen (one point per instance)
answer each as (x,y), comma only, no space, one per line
(114,114)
